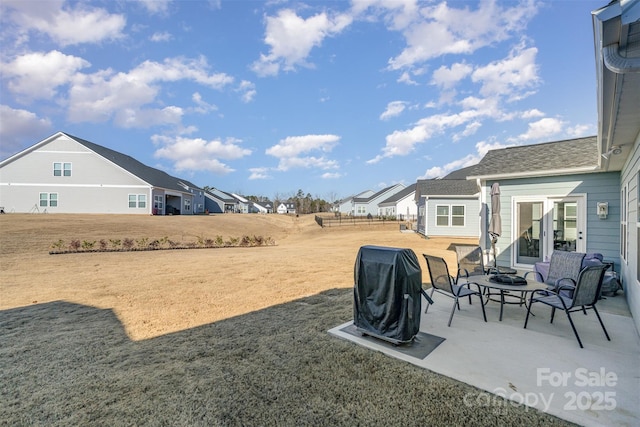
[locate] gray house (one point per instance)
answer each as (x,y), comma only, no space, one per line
(66,174)
(345,206)
(449,206)
(218,201)
(368,205)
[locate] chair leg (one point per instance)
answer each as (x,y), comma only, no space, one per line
(431,296)
(453,310)
(574,328)
(526,319)
(601,324)
(484,314)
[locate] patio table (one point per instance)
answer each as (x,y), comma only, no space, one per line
(504,289)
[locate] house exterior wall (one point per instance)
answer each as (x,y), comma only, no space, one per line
(95,185)
(402,208)
(602,236)
(428,224)
(630,179)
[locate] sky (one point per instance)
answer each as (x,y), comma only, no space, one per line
(267,98)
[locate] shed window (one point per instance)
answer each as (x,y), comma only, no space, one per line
(450,215)
(442,216)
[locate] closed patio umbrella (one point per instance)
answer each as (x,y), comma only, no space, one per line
(495,225)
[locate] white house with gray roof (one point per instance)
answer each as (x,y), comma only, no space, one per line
(66,174)
(401,205)
(364,206)
(448,206)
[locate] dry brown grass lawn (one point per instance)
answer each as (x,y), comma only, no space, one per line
(154,293)
(207,337)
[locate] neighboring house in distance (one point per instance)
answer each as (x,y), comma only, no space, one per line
(548,201)
(363,206)
(449,206)
(345,206)
(67,174)
(265,207)
(401,205)
(287,207)
(218,201)
(243,203)
(617,50)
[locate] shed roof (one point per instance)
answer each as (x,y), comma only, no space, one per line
(578,155)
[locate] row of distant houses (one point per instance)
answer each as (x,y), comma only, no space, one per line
(67,174)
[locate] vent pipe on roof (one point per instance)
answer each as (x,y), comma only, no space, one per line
(618,63)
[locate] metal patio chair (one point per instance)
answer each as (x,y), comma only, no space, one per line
(585,296)
(443,283)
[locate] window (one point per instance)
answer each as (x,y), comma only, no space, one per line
(442,216)
(137,200)
(450,216)
(187,205)
(457,216)
(61,169)
(48,200)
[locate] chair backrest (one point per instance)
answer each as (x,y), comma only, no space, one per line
(588,286)
(564,265)
(470,261)
(439,273)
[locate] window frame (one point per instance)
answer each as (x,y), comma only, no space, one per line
(62,169)
(450,216)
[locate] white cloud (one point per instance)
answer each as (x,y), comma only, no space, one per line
(203,107)
(39,75)
(64,24)
(439,30)
(290,150)
(509,77)
(291,39)
(17,127)
(292,146)
(331,175)
(161,37)
(448,77)
(532,114)
(259,173)
(482,148)
(100,96)
(405,78)
(247,90)
(195,154)
(156,6)
(394,108)
(543,128)
(579,131)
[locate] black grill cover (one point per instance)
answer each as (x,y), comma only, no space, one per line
(387,293)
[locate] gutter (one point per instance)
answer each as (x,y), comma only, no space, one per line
(618,63)
(535,174)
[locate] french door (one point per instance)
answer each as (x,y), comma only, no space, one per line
(544,224)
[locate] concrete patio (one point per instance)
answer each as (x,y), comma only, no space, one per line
(542,366)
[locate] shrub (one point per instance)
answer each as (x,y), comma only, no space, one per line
(103,244)
(87,245)
(74,245)
(127,243)
(219,241)
(142,242)
(58,245)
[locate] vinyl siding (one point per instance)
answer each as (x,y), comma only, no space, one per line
(602,235)
(629,270)
(471,226)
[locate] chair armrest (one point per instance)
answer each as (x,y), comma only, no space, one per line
(559,283)
(538,276)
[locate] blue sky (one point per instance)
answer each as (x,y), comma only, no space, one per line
(266,98)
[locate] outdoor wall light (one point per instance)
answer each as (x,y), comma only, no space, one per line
(603,210)
(615,150)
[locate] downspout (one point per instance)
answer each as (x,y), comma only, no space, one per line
(618,63)
(426,216)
